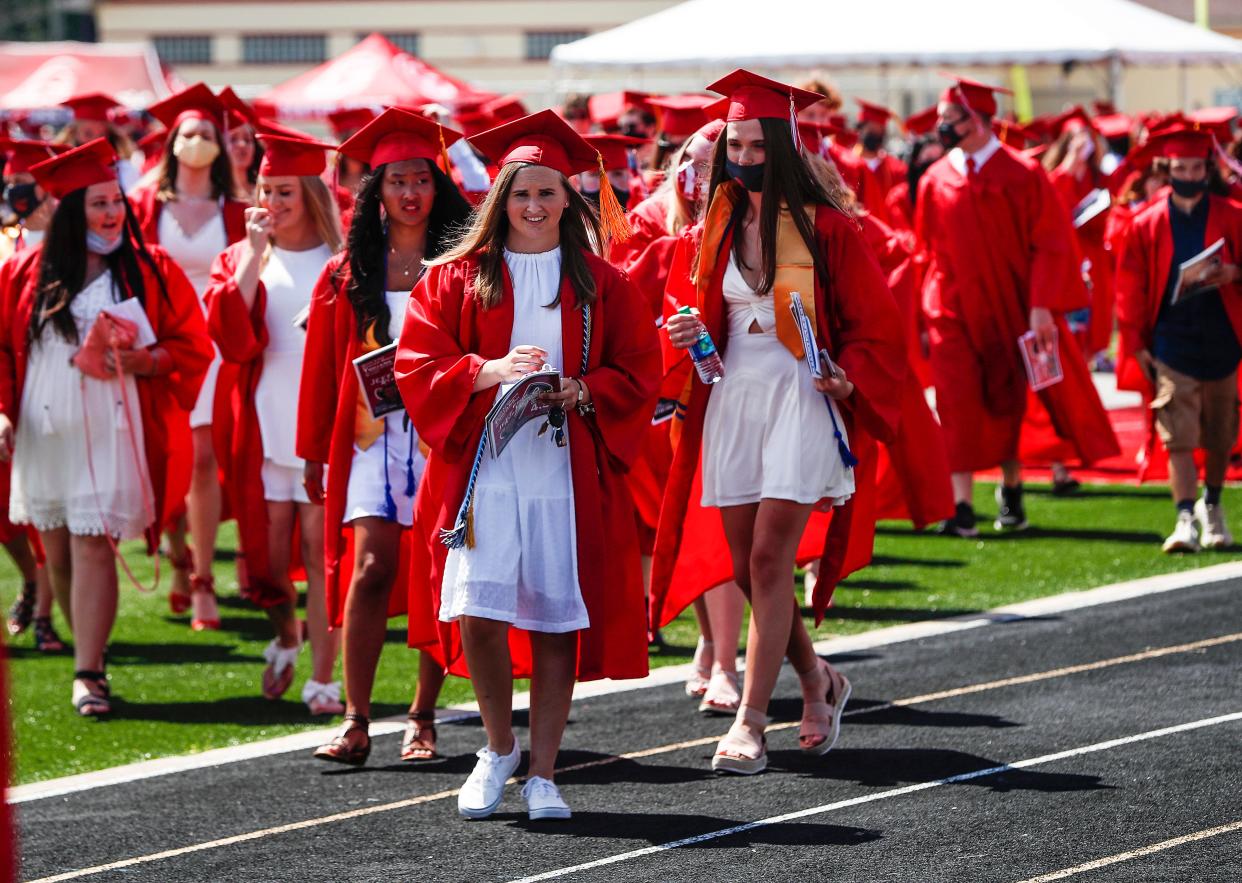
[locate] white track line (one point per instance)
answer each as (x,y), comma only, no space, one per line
(659,677)
(638,755)
(1137,853)
(884,795)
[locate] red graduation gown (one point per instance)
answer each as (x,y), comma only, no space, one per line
(900,210)
(999,245)
(165,401)
(1093,246)
(445,341)
(241,336)
(913,470)
(8,837)
(327,411)
(860,322)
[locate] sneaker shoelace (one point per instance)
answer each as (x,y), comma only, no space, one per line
(542,789)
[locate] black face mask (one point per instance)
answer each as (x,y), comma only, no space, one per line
(750,177)
(1189,189)
(872,141)
(592,196)
(631,130)
(948,134)
(22,199)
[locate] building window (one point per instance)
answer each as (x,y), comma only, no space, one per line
(539,43)
(183,50)
(284,48)
(406,42)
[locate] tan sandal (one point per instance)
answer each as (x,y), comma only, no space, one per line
(723,696)
(822,720)
(418,743)
(739,752)
(343,749)
(697,683)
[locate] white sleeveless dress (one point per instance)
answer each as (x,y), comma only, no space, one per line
(51,484)
(767,432)
(523,568)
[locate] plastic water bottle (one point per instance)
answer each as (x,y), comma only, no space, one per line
(703,352)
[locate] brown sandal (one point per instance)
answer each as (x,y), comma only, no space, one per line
(418,743)
(342,749)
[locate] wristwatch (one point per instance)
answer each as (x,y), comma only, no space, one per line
(584,408)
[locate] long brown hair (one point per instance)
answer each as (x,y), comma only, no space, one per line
(787,181)
(1055,154)
(485,237)
(221,170)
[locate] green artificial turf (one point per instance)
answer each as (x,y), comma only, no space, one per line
(180,692)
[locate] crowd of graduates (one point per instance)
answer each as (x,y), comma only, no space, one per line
(184,293)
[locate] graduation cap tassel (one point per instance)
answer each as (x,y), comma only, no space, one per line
(793,124)
(390,505)
(611,214)
(410,484)
(462,532)
(847,456)
(444,154)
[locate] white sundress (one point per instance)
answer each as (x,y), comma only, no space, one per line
(194,253)
(51,483)
(289,278)
(370,470)
(767,432)
(523,568)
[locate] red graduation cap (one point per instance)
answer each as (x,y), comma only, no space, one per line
(869,112)
(1187,141)
(197,103)
(347,120)
(1114,125)
(614,149)
(923,122)
(682,115)
(92,163)
(543,139)
(22,155)
(504,109)
(153,142)
(752,97)
(976,97)
(292,156)
(1011,134)
(1104,108)
(397,135)
(237,111)
(264,126)
(94,106)
(607,108)
(1072,120)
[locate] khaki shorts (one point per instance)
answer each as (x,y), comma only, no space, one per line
(1194,413)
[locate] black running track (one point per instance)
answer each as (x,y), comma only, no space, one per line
(1012,824)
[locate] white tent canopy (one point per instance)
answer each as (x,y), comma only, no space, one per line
(846,33)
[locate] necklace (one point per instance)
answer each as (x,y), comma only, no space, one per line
(405,271)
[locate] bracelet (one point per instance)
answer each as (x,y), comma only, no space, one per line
(584,408)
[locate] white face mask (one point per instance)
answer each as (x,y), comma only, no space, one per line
(100,246)
(196,152)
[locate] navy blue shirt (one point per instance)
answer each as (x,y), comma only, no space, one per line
(1194,336)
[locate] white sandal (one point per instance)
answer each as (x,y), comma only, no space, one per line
(723,696)
(824,718)
(697,683)
(739,752)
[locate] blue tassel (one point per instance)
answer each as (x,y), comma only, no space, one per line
(847,456)
(390,505)
(410,484)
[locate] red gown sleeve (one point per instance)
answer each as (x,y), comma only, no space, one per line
(13,273)
(240,333)
(1133,307)
(1056,275)
(624,385)
(435,374)
(317,392)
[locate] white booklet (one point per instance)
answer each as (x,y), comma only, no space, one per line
(131,310)
(1192,273)
(1043,366)
(817,360)
(1092,205)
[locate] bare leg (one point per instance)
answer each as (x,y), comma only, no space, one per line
(726,607)
(1184,475)
(59,568)
(94,596)
(279,533)
(325,643)
(963,487)
(1215,466)
(430,681)
(551,692)
(203,506)
(701,617)
(486,645)
(376,552)
(1011,472)
(178,550)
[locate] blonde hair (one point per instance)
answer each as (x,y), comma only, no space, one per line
(484,239)
(680,211)
(321,208)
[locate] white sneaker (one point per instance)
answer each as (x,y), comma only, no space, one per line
(482,792)
(1213,531)
(1185,536)
(543,799)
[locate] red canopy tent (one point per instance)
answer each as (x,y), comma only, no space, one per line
(39,75)
(375,73)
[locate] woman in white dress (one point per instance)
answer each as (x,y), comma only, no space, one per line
(406,212)
(774,441)
(190,210)
(542,573)
(90,456)
(257,302)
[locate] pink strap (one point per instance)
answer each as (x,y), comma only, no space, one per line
(147,501)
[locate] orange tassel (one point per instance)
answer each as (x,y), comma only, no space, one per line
(444,157)
(611,215)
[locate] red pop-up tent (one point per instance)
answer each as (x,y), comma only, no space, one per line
(374,73)
(38,75)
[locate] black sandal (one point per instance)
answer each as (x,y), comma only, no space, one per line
(21,614)
(91,704)
(341,750)
(416,747)
(45,638)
